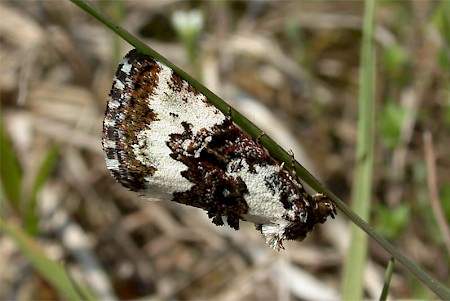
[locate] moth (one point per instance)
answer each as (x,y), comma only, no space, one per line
(163,139)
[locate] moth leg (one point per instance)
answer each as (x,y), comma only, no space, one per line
(258,139)
(230,111)
(293,171)
(296,180)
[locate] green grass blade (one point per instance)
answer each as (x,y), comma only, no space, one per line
(387,279)
(10,173)
(30,209)
(49,269)
(353,276)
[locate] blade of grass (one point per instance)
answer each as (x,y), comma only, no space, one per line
(30,209)
(387,279)
(118,11)
(46,267)
(10,174)
(275,150)
(353,273)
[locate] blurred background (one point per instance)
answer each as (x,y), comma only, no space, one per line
(289,66)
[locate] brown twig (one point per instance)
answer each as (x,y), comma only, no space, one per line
(433,188)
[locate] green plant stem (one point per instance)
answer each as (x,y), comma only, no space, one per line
(387,279)
(10,172)
(275,150)
(355,262)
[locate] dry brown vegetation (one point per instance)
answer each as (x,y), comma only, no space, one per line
(292,67)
